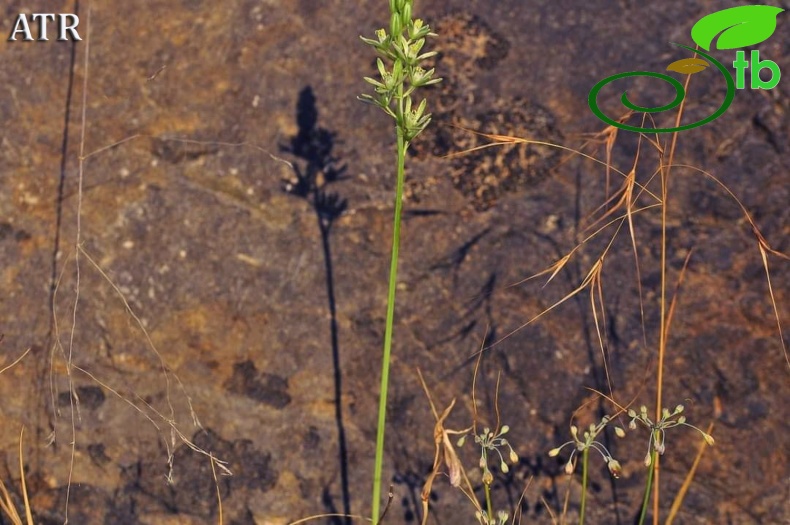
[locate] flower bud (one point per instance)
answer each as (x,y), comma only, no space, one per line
(406,14)
(395,25)
(614,468)
(488,478)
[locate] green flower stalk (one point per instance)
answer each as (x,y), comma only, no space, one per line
(584,444)
(656,445)
(400,75)
(589,442)
(489,442)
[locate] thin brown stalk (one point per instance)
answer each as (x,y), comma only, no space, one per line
(673,304)
(77,243)
(665,173)
(518,510)
(687,480)
(216,485)
(330,515)
(17,360)
(28,513)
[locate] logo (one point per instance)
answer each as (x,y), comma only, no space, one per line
(735,28)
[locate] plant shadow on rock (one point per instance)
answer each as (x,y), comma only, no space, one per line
(313,145)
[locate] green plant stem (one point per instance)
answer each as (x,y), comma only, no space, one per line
(653,459)
(489,505)
(585,457)
(385,360)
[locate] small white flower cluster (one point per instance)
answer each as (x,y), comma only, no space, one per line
(489,441)
(655,443)
(483,519)
(588,442)
(657,430)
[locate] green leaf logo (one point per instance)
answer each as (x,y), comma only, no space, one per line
(742,26)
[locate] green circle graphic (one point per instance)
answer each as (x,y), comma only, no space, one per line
(680,93)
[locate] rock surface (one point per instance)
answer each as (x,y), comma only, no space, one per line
(234,221)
